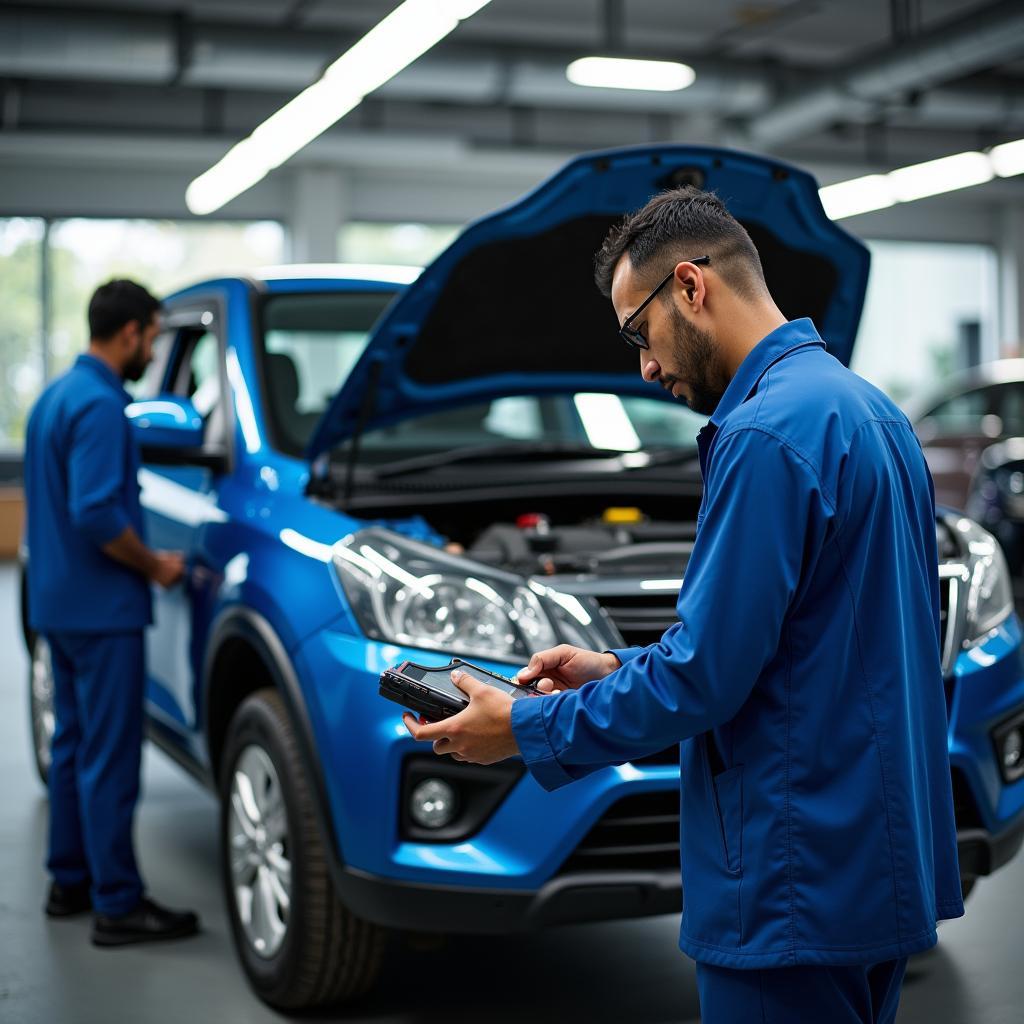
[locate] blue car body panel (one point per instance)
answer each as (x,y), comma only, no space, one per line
(259,549)
(989,687)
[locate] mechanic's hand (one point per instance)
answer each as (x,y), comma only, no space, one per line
(566,668)
(168,568)
(480,734)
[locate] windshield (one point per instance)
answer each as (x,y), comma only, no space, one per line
(580,421)
(312,341)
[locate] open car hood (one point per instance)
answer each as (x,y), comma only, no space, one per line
(510,307)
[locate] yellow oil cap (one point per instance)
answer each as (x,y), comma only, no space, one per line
(621,514)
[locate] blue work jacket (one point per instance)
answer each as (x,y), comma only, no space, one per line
(803,677)
(81,491)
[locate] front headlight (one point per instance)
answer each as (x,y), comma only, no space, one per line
(989,591)
(413,594)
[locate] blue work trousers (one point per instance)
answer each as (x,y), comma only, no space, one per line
(94,775)
(865,994)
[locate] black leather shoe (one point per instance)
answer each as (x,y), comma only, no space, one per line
(148,922)
(67,900)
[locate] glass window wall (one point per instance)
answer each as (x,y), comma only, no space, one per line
(82,253)
(21,325)
(930,311)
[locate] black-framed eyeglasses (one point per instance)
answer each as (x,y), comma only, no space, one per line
(630,335)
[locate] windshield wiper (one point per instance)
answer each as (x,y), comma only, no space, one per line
(477,452)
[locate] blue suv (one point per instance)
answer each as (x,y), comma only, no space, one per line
(364,468)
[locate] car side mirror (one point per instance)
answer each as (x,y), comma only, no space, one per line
(170,432)
(168,422)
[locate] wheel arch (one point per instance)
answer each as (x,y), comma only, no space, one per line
(244,654)
(27,632)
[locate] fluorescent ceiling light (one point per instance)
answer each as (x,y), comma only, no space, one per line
(932,178)
(620,73)
(937,176)
(858,195)
(394,43)
(1008,159)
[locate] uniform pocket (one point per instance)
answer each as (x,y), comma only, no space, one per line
(728,788)
(711,906)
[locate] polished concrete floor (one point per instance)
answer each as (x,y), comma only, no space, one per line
(628,973)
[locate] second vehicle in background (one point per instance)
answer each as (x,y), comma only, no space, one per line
(975,408)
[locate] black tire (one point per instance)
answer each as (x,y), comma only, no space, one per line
(40,706)
(327,955)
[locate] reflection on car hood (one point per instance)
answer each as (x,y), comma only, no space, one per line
(511,306)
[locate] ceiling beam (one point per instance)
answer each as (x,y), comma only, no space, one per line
(959,47)
(132,48)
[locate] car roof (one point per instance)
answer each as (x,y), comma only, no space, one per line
(384,273)
(314,277)
(999,371)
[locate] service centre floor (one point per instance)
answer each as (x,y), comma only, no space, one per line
(629,973)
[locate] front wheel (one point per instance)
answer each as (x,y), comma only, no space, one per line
(299,945)
(42,717)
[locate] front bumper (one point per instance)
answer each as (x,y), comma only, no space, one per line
(981,852)
(521,871)
(986,688)
(568,899)
(524,850)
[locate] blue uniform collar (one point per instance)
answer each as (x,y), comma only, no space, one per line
(105,373)
(768,351)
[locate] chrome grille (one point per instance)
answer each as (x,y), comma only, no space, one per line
(943,612)
(952,593)
(641,618)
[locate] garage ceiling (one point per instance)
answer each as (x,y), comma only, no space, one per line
(825,81)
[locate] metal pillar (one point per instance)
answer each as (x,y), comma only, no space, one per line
(1011,280)
(319,207)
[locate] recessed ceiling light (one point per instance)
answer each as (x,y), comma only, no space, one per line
(625,73)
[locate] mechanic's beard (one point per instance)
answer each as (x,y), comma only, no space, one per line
(136,366)
(697,363)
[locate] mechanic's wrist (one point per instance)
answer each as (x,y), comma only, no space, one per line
(150,565)
(611,663)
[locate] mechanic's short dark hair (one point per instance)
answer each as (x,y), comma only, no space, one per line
(117,303)
(682,223)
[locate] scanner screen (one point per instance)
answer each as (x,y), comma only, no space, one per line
(440,679)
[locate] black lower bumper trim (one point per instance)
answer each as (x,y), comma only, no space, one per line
(568,899)
(576,898)
(981,852)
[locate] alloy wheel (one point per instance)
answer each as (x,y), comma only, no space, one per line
(261,870)
(41,701)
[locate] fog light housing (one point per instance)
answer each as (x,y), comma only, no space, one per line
(1011,750)
(1009,743)
(433,804)
(446,801)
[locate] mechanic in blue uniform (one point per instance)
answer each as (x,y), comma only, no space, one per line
(88,594)
(803,676)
